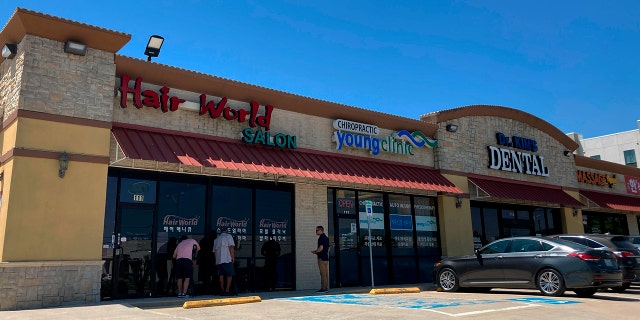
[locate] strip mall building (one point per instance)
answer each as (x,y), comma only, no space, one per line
(106,159)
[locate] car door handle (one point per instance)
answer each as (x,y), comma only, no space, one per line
(498,257)
(537,256)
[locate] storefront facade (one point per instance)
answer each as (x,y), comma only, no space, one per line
(107,160)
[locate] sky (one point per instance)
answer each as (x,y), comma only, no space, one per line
(572,63)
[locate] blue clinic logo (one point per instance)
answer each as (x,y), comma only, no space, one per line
(363,136)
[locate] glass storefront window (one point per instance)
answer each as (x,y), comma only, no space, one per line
(181,210)
(232,208)
(273,218)
(137,191)
(379,240)
(476,225)
(402,241)
(428,248)
(346,203)
(491,224)
(598,222)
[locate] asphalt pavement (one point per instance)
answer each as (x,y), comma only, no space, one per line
(146,308)
(398,303)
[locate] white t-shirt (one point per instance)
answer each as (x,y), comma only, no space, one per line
(221,248)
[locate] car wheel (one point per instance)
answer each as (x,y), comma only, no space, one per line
(550,283)
(585,292)
(448,280)
(622,288)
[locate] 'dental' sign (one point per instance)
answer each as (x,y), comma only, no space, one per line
(365,136)
(508,159)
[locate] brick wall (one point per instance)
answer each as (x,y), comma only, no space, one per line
(311,211)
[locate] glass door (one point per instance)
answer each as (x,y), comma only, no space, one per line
(133,253)
(348,251)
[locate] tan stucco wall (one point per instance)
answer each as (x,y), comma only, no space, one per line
(45,217)
(52,218)
(47,135)
(456,232)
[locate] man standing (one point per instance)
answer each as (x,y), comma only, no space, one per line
(224,248)
(323,259)
(184,263)
(271,251)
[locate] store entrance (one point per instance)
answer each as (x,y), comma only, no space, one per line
(348,254)
(132,268)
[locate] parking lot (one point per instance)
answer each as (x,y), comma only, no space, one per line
(498,304)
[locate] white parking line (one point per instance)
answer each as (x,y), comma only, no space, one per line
(481,311)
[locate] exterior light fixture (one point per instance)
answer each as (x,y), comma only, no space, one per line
(76,48)
(575,212)
(452,127)
(64,164)
(153,47)
(9,50)
(566,153)
(459,201)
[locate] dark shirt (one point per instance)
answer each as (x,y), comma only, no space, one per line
(323,241)
(271,249)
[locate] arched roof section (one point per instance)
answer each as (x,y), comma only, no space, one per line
(502,112)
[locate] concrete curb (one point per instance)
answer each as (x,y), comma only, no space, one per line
(395,290)
(220,302)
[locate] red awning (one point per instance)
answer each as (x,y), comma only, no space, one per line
(201,150)
(612,201)
(510,190)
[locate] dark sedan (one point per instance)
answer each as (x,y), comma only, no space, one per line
(549,265)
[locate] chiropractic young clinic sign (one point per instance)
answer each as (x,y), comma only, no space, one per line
(365,136)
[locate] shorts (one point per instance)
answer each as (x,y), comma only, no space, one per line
(184,268)
(226,269)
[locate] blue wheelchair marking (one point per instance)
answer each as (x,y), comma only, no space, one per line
(413,303)
(369,300)
(544,300)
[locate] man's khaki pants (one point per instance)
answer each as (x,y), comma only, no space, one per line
(324,274)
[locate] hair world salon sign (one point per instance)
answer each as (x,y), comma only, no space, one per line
(508,159)
(163,101)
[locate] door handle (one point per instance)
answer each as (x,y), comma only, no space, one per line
(538,256)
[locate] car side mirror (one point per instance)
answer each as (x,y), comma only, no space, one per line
(477,252)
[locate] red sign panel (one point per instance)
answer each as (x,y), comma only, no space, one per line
(633,185)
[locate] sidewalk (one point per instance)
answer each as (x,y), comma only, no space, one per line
(142,309)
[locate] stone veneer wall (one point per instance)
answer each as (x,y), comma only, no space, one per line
(32,285)
(465,151)
(59,83)
(43,78)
